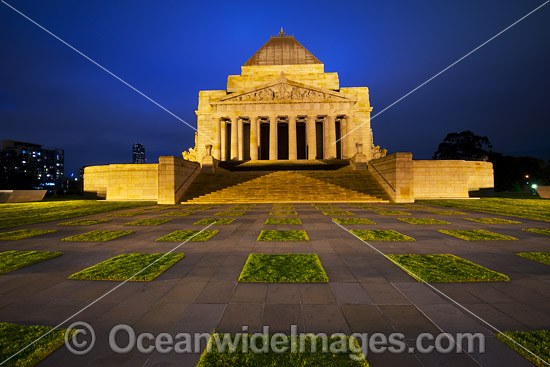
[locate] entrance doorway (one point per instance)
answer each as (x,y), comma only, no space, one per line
(264,141)
(301,140)
(282,141)
(319,135)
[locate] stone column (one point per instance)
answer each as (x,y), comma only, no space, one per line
(273,137)
(310,137)
(253,138)
(343,132)
(222,139)
(292,149)
(234,139)
(217,138)
(330,150)
(240,139)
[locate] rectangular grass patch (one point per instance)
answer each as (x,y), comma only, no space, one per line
(446,268)
(545,231)
(243,207)
(283,207)
(185,235)
(102,236)
(391,212)
(367,207)
(291,235)
(283,221)
(230,214)
(476,235)
(422,221)
(445,212)
(321,355)
(289,212)
(541,257)
(84,222)
(25,233)
(13,260)
(345,221)
(283,268)
(148,222)
(337,212)
(536,341)
(178,214)
(16,338)
(216,221)
(124,266)
(125,214)
(493,220)
(380,235)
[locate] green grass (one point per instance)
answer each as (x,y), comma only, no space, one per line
(185,235)
(283,268)
(422,221)
(122,267)
(523,208)
(537,341)
(327,208)
(126,214)
(216,221)
(214,357)
(446,212)
(412,206)
(380,235)
(102,236)
(345,221)
(545,231)
(476,235)
(84,222)
(178,214)
(20,214)
(541,257)
(25,233)
(283,207)
(367,207)
(283,213)
(243,207)
(13,260)
(13,338)
(283,221)
(148,222)
(493,220)
(230,214)
(444,268)
(292,235)
(391,212)
(337,212)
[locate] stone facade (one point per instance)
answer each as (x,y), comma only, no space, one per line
(284,106)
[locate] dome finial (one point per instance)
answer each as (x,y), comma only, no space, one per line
(281,32)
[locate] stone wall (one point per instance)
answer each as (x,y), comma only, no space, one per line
(396,175)
(405,180)
(132,182)
(174,177)
(164,182)
(451,178)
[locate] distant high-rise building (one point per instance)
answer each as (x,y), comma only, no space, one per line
(138,153)
(27,165)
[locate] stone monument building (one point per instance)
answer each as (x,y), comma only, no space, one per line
(284,106)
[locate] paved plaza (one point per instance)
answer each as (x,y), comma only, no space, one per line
(366,292)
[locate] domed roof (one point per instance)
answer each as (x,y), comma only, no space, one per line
(282,50)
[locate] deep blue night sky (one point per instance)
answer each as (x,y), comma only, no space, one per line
(172,49)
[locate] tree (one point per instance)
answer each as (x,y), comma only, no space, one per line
(465,145)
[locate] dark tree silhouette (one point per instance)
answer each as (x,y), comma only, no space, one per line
(465,145)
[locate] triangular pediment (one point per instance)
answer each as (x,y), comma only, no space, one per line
(284,90)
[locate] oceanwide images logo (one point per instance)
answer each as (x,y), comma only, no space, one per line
(80,339)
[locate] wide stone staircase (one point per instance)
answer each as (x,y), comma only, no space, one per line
(339,185)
